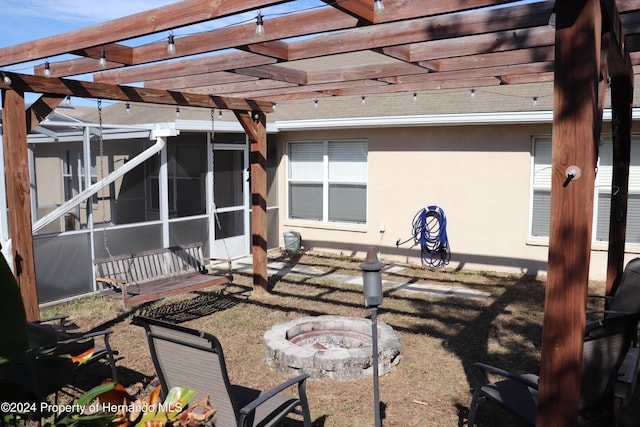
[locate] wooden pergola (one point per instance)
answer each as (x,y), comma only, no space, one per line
(417,45)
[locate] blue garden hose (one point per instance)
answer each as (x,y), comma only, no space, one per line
(429,230)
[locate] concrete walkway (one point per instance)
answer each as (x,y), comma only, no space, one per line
(281,268)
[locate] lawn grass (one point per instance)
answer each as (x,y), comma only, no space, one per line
(441,338)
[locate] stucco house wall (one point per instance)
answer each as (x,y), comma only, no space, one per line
(480,175)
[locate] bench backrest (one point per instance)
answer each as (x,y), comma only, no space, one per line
(151,265)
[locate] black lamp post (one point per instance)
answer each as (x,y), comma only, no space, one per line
(372,284)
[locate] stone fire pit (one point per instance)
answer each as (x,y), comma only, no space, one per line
(330,347)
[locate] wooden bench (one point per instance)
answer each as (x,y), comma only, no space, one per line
(151,275)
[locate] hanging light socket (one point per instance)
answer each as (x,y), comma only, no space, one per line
(47,69)
(171,45)
(103,59)
(127,108)
(259,25)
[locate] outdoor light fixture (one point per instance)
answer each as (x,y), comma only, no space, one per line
(47,69)
(372,285)
(378,7)
(259,25)
(171,45)
(103,59)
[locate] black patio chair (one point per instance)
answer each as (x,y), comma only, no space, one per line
(604,349)
(625,296)
(194,359)
(66,337)
(48,364)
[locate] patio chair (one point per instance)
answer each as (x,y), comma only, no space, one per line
(41,372)
(604,349)
(63,335)
(194,359)
(625,297)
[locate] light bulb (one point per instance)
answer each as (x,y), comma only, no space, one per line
(535,100)
(364,100)
(220,114)
(472,94)
(171,45)
(6,79)
(47,69)
(259,25)
(127,108)
(177,112)
(378,7)
(68,101)
(415,96)
(103,59)
(315,103)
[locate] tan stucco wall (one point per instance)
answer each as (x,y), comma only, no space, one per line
(479,175)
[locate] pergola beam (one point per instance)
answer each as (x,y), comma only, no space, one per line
(82,89)
(163,18)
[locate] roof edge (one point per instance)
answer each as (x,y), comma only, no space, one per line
(527,117)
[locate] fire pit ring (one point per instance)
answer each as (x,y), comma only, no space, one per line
(330,347)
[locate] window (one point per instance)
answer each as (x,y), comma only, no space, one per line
(541,190)
(186,169)
(327,181)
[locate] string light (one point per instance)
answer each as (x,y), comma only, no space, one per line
(103,59)
(47,69)
(415,96)
(220,114)
(273,104)
(315,103)
(259,25)
(535,101)
(6,79)
(68,100)
(364,100)
(177,112)
(378,7)
(171,45)
(127,108)
(472,93)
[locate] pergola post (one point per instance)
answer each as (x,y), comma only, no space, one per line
(576,126)
(255,125)
(16,165)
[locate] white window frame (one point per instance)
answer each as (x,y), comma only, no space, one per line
(326,181)
(541,181)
